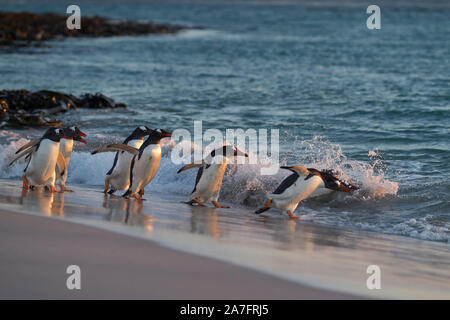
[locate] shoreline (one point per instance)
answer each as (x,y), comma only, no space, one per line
(22,29)
(39,251)
(304,254)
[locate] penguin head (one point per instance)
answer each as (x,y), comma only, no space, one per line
(227,151)
(74,133)
(161,133)
(332,182)
(155,137)
(54,134)
(139,133)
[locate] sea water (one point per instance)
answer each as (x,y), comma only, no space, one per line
(373,104)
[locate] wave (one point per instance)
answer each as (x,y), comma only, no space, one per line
(243,184)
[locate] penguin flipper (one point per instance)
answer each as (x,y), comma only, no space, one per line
(60,165)
(22,154)
(117,147)
(32,143)
(191,166)
(301,171)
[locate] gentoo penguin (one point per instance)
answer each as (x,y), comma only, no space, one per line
(301,185)
(144,162)
(66,147)
(45,157)
(118,177)
(210,175)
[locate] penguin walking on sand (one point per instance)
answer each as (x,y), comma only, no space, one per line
(118,177)
(303,183)
(210,175)
(144,162)
(45,159)
(66,147)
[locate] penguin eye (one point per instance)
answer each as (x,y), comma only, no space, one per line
(159,130)
(72,128)
(142,128)
(57,131)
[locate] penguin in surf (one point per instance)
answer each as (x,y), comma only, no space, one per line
(45,158)
(210,175)
(144,163)
(300,185)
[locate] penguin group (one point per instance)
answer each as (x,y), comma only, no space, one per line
(48,158)
(137,160)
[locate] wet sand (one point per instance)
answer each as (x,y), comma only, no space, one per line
(36,251)
(161,248)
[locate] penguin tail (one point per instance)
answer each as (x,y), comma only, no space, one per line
(190,166)
(265,208)
(126,194)
(259,211)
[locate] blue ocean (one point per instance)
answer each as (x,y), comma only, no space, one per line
(372,104)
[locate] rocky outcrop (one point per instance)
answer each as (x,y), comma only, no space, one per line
(23,29)
(25,108)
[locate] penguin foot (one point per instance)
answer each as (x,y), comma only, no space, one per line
(64,189)
(141,192)
(265,208)
(111,191)
(195,200)
(218,205)
(25,185)
(106,187)
(198,202)
(292,216)
(137,196)
(52,189)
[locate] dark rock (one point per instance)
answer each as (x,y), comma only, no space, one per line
(21,107)
(23,29)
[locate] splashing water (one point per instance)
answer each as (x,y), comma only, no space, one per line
(243,185)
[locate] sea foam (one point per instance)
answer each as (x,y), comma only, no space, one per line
(242,184)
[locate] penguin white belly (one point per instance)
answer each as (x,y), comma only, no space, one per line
(298,191)
(208,187)
(320,192)
(66,147)
(41,170)
(145,167)
(119,178)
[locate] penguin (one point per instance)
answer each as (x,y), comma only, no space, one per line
(45,157)
(144,161)
(210,175)
(118,177)
(301,185)
(66,146)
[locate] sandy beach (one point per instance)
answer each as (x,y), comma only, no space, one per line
(163,249)
(36,252)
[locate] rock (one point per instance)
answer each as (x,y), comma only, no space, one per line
(24,108)
(25,28)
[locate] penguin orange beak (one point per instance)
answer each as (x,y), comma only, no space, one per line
(167,134)
(82,134)
(81,139)
(347,187)
(344,188)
